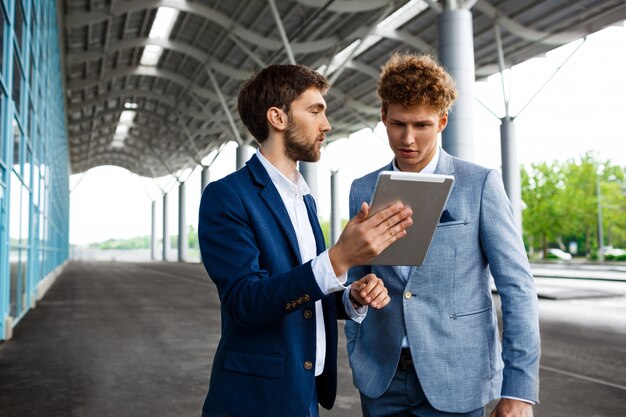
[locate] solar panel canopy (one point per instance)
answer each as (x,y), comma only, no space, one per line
(156,103)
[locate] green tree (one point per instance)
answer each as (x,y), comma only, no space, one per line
(542,190)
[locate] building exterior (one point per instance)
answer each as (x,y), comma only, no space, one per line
(34,170)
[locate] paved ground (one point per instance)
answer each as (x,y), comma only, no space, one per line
(136,339)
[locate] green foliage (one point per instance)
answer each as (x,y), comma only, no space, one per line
(325,224)
(143,242)
(140,242)
(561,204)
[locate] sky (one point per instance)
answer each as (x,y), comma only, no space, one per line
(582,108)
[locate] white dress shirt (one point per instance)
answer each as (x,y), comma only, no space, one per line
(292,193)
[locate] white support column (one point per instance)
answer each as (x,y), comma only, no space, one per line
(166,233)
(309,172)
(243,153)
(153,235)
(456,53)
(205,177)
(510,168)
(183,241)
(335,216)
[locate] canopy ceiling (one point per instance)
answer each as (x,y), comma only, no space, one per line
(185,105)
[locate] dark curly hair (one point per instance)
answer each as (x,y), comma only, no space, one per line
(411,79)
(277,85)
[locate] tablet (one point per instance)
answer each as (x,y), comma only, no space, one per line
(426,195)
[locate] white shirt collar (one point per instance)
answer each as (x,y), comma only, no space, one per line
(428,169)
(282,183)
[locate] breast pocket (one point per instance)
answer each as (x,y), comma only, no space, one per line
(452,223)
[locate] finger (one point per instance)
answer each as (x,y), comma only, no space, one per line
(363,213)
(380,304)
(378,295)
(383,215)
(403,217)
(397,229)
(371,282)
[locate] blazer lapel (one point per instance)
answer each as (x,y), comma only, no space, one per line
(269,194)
(315,225)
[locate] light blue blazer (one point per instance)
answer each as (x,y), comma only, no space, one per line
(445,307)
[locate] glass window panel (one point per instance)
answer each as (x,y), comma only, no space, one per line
(36,180)
(31,71)
(33,12)
(17,146)
(18,24)
(16,256)
(1,41)
(17,83)
(23,276)
(1,135)
(24,216)
(14,210)
(28,158)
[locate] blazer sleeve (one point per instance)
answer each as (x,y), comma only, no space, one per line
(250,295)
(503,246)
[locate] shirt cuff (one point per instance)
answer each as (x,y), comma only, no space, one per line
(518,399)
(355,314)
(325,275)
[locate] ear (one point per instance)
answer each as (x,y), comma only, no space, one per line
(277,118)
(443,122)
(383,116)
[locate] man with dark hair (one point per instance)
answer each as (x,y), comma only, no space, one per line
(262,245)
(435,351)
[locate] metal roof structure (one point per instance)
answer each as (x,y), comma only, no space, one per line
(157,118)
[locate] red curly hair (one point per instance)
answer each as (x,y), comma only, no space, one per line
(411,79)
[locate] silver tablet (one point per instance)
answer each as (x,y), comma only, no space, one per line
(426,195)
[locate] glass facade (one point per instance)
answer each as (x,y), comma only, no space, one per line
(34,158)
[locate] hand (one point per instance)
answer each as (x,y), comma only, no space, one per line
(512,408)
(364,238)
(370,290)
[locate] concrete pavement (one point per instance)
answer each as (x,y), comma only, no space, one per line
(137,339)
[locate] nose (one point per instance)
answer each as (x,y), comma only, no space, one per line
(409,136)
(326,127)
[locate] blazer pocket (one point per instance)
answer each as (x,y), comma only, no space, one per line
(470,313)
(269,366)
(453,223)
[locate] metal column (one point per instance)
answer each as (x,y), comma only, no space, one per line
(309,172)
(183,241)
(243,154)
(335,216)
(153,236)
(456,53)
(510,168)
(204,178)
(166,233)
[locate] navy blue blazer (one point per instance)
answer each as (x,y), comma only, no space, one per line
(265,361)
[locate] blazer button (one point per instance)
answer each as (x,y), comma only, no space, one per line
(408,295)
(306,297)
(308,314)
(308,365)
(288,306)
(300,300)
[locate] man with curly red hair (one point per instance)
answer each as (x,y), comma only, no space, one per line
(435,350)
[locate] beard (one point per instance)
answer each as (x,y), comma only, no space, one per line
(300,148)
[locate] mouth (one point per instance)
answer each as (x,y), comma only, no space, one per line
(405,152)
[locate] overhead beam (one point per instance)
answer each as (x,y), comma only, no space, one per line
(177,46)
(220,19)
(524,32)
